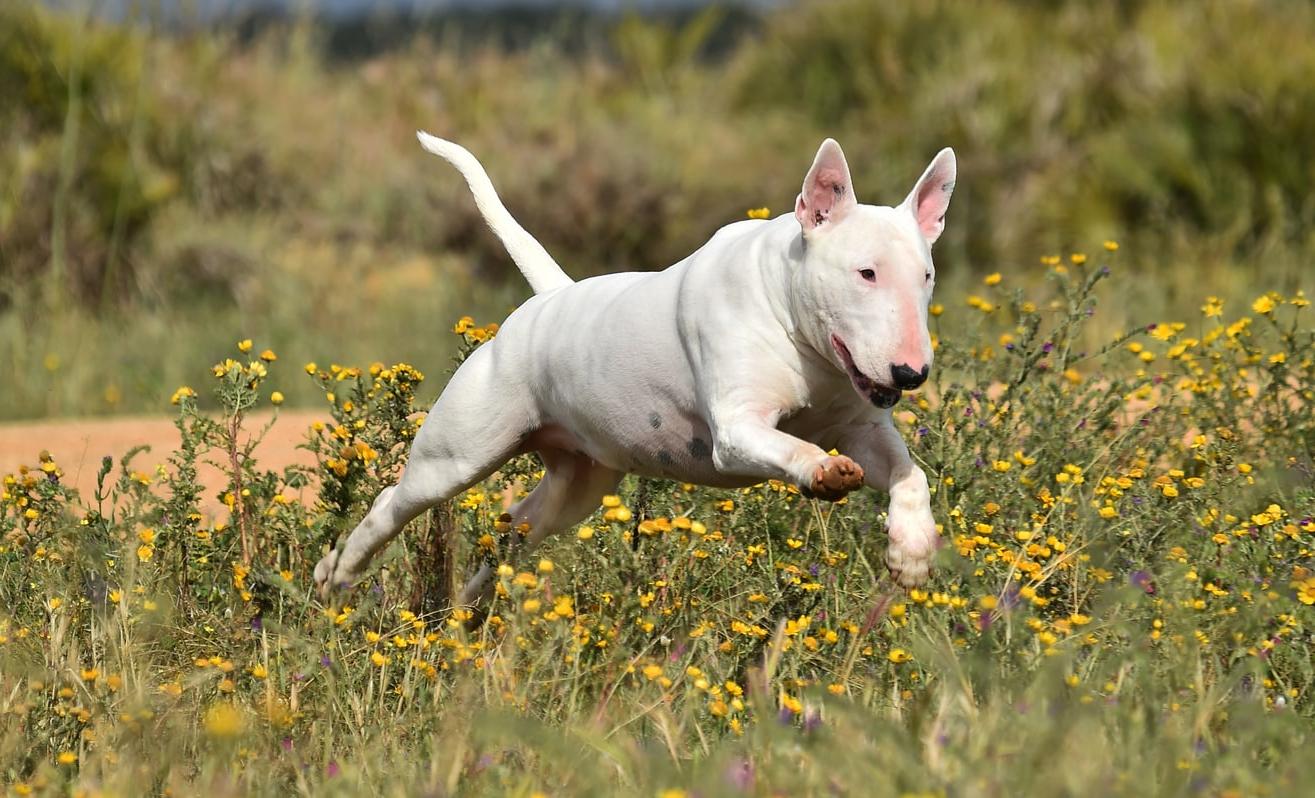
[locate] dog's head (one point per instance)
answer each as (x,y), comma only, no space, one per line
(867,276)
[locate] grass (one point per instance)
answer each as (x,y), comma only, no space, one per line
(1123,604)
(1122,469)
(155,203)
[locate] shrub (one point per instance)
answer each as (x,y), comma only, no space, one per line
(1123,599)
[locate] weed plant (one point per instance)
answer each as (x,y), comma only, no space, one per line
(162,195)
(1123,604)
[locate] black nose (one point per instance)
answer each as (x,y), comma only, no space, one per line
(906,379)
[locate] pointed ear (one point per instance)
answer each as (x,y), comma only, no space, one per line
(828,192)
(930,198)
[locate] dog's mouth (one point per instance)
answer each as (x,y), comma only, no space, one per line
(880,395)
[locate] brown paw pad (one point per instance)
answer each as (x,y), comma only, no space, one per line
(835,477)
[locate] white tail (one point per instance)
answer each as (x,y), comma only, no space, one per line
(531,258)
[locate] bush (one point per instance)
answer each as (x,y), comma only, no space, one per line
(189,191)
(1124,599)
(1174,127)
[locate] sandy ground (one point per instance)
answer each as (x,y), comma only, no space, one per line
(78,445)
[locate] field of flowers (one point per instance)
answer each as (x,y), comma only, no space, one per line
(1123,604)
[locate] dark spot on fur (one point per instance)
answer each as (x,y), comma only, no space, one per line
(655,421)
(839,189)
(699,449)
(818,218)
(665,458)
(947,187)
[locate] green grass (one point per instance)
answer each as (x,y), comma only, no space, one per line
(156,202)
(1123,605)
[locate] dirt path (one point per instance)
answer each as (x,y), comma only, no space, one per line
(77,445)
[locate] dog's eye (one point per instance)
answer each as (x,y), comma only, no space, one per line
(868,274)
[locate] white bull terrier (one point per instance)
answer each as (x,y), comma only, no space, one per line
(775,342)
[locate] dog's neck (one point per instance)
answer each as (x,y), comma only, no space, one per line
(807,327)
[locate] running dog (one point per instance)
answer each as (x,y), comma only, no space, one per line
(776,341)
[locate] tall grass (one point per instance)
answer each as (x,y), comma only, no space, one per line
(1123,604)
(150,179)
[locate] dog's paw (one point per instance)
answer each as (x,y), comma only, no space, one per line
(330,577)
(908,570)
(913,544)
(835,477)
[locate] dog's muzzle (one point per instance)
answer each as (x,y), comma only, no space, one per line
(882,396)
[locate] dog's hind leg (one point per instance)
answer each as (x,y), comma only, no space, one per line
(572,487)
(477,424)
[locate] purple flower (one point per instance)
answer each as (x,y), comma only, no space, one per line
(332,768)
(812,720)
(1010,598)
(1047,347)
(325,661)
(1142,581)
(740,775)
(923,431)
(256,624)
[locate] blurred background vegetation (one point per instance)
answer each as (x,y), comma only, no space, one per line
(166,189)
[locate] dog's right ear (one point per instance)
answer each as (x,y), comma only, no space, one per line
(828,192)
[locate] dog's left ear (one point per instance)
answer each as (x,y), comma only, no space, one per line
(930,198)
(828,190)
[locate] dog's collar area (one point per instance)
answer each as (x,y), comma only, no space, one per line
(880,395)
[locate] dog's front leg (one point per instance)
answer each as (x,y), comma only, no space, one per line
(748,444)
(888,467)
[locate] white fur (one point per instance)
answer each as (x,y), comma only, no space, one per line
(530,257)
(721,370)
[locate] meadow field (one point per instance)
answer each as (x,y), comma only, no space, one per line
(1119,429)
